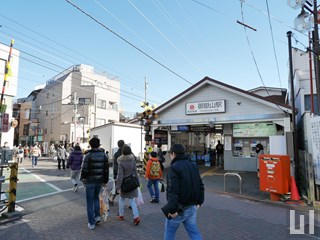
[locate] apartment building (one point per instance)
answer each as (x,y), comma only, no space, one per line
(72,103)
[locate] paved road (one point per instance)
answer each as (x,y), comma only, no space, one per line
(60,214)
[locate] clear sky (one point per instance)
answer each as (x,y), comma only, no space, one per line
(173,43)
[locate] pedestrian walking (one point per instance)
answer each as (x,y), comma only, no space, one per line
(126,167)
(62,155)
(259,151)
(185,193)
(74,163)
(26,152)
(35,153)
(219,151)
(20,154)
(94,175)
(153,175)
(113,193)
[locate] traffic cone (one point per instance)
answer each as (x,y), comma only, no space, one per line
(294,190)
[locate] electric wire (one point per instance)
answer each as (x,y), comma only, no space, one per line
(83,77)
(254,59)
(273,44)
(135,34)
(44,61)
(68,61)
(129,43)
(164,36)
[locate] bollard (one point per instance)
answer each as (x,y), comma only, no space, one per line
(13,187)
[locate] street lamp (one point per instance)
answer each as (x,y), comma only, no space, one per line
(303,22)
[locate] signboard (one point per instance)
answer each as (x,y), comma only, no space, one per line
(180,128)
(214,106)
(254,129)
(5,122)
(160,136)
(315,136)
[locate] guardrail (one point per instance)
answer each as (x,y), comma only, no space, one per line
(232,174)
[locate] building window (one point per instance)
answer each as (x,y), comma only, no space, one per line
(101,103)
(307,103)
(113,105)
(25,129)
(47,113)
(47,95)
(100,121)
(85,101)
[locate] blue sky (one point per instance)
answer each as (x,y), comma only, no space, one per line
(192,38)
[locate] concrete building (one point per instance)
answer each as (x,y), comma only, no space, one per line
(10,90)
(72,103)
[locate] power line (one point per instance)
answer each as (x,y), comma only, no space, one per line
(82,55)
(129,43)
(274,48)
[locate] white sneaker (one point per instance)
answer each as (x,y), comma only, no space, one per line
(91,227)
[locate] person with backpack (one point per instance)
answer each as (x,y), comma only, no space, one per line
(153,175)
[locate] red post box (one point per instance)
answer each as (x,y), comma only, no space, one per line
(274,175)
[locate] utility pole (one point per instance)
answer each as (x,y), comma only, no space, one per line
(316,49)
(6,74)
(295,140)
(75,111)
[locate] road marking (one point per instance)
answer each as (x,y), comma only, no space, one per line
(45,195)
(44,181)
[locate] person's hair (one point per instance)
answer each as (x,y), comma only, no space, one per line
(126,150)
(178,149)
(153,154)
(120,143)
(94,142)
(77,148)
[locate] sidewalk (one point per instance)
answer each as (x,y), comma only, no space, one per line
(225,215)
(216,181)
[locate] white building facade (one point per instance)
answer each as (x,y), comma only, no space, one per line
(10,88)
(211,110)
(73,102)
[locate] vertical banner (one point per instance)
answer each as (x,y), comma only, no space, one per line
(315,134)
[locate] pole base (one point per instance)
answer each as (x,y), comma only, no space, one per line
(10,215)
(274,197)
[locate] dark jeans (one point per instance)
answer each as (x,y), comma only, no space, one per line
(63,161)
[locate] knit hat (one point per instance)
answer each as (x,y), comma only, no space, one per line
(153,154)
(94,142)
(177,149)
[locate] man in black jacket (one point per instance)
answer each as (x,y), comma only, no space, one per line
(185,193)
(94,174)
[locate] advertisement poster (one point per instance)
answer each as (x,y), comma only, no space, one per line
(315,135)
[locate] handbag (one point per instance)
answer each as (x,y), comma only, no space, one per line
(129,183)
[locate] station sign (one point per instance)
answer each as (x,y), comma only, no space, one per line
(214,106)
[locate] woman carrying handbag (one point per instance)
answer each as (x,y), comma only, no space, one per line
(127,168)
